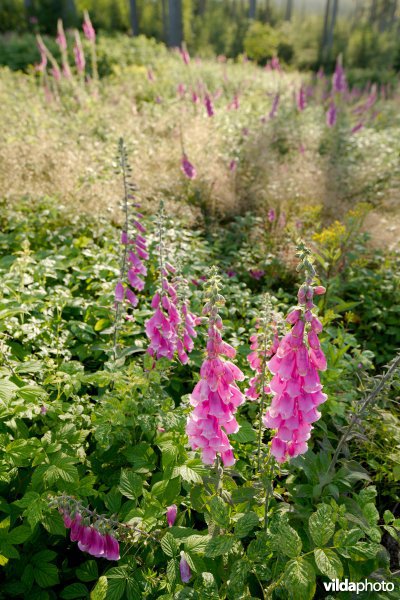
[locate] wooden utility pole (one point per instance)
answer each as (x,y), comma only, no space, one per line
(175,30)
(134,17)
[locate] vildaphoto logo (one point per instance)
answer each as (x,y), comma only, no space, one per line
(360,586)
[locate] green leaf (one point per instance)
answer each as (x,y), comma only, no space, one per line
(219,512)
(46,574)
(19,535)
(172,570)
(53,523)
(245,524)
(344,538)
(187,474)
(328,563)
(43,556)
(116,589)
(169,545)
(196,543)
(245,434)
(62,467)
(220,545)
(299,579)
(99,592)
(88,571)
(371,514)
(364,551)
(286,540)
(75,590)
(206,586)
(130,484)
(322,525)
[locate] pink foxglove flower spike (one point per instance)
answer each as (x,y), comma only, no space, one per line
(172,327)
(295,385)
(216,396)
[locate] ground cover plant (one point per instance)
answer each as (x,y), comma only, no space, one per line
(199,334)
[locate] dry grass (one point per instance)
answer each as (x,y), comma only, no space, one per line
(67,150)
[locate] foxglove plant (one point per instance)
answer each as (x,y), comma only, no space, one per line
(187,168)
(275,106)
(339,85)
(134,244)
(209,105)
(301,99)
(90,35)
(216,396)
(96,534)
(331,115)
(62,44)
(264,343)
(172,327)
(295,385)
(79,55)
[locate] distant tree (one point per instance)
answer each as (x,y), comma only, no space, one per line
(253,9)
(69,12)
(289,10)
(324,39)
(331,28)
(175,30)
(134,17)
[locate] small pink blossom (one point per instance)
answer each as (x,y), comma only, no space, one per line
(184,569)
(209,105)
(187,168)
(331,115)
(88,28)
(172,511)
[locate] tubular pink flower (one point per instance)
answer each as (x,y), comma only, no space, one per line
(301,99)
(88,28)
(295,385)
(187,168)
(339,78)
(256,359)
(184,570)
(215,397)
(61,39)
(331,115)
(172,511)
(78,54)
(274,108)
(209,105)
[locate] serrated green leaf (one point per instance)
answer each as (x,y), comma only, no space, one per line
(322,525)
(245,524)
(187,474)
(206,586)
(169,545)
(99,592)
(219,512)
(328,563)
(172,570)
(219,545)
(19,535)
(299,579)
(46,574)
(115,589)
(88,571)
(245,434)
(196,543)
(130,485)
(286,540)
(73,591)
